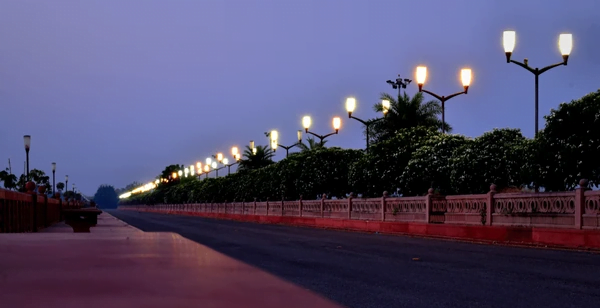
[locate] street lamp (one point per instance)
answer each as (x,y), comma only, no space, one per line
(206,169)
(465,76)
(27,141)
(351,105)
(274,136)
(215,164)
(565,45)
(236,155)
(337,123)
(66,183)
(399,84)
(53,178)
(252,147)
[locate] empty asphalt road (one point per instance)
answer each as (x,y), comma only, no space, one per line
(371,270)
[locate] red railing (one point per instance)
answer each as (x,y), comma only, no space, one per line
(579,209)
(29,212)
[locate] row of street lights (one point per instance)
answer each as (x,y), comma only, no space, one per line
(509,41)
(27,144)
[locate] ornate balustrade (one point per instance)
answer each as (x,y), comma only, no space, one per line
(578,209)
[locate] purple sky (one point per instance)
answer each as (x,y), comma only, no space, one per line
(114,91)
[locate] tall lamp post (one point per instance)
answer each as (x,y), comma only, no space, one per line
(565,45)
(399,84)
(53,178)
(274,137)
(306,122)
(27,142)
(66,183)
(351,105)
(465,75)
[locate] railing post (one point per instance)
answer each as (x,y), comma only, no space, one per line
(254,206)
(282,205)
(383,205)
(350,206)
(34,203)
(323,204)
(489,209)
(428,205)
(580,203)
(45,211)
(267,206)
(300,204)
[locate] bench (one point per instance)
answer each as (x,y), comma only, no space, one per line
(81,220)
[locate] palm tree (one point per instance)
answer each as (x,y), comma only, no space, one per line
(262,158)
(406,112)
(312,145)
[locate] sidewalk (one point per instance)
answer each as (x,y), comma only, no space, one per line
(117,265)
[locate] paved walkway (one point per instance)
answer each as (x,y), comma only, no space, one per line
(117,266)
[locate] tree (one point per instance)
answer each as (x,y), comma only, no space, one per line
(405,112)
(39,177)
(262,158)
(106,197)
(311,145)
(569,145)
(431,165)
(168,171)
(60,186)
(8,179)
(501,157)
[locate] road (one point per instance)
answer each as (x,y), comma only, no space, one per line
(362,270)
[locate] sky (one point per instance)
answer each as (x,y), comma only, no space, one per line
(115,90)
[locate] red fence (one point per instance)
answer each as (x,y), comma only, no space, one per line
(28,212)
(579,209)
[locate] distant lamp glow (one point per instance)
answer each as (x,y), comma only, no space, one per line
(180,172)
(350,105)
(252,144)
(306,122)
(199,165)
(299,135)
(214,165)
(206,168)
(208,161)
(174,175)
(274,135)
(225,161)
(421,76)
(219,157)
(565,44)
(234,151)
(465,77)
(385,104)
(337,123)
(509,40)
(192,169)
(254,151)
(238,156)
(157,181)
(274,145)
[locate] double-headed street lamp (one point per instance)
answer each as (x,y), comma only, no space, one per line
(565,45)
(351,105)
(337,123)
(274,137)
(465,76)
(27,142)
(53,178)
(236,155)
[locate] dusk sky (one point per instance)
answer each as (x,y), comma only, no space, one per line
(114,91)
